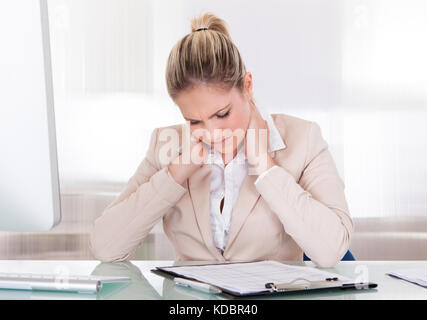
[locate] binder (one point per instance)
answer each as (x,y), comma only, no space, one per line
(328,283)
(297,284)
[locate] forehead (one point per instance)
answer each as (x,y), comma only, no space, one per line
(204,100)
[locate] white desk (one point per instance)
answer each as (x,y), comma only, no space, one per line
(147,285)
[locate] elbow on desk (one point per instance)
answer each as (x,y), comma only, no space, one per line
(326,262)
(329,258)
(106,256)
(336,248)
(101,251)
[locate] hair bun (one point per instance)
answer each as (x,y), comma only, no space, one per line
(211,22)
(206,55)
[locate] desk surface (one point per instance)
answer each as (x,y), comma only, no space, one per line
(147,285)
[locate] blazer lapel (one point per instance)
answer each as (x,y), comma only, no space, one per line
(199,189)
(246,201)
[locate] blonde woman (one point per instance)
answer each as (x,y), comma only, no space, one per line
(228,184)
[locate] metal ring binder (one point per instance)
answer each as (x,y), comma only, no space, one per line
(303,285)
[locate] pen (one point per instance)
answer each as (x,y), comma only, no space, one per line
(200,286)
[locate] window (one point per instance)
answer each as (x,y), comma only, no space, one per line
(357,68)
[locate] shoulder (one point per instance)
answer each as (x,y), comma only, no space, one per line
(293,128)
(303,138)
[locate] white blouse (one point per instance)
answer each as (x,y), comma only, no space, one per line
(227,181)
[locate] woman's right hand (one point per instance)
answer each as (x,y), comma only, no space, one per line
(193,156)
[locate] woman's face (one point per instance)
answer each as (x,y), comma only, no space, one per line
(216,116)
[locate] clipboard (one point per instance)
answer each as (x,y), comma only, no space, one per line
(270,288)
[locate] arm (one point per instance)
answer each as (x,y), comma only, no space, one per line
(150,193)
(313,211)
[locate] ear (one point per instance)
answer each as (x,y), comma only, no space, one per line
(248,84)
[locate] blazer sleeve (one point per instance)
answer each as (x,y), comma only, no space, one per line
(149,194)
(313,211)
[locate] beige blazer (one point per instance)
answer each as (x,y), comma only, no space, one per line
(298,207)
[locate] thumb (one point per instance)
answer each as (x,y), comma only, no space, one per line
(246,144)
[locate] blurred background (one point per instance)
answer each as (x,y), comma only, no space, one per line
(356,67)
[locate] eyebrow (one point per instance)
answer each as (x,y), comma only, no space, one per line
(211,115)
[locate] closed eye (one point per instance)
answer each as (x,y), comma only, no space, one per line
(220,116)
(223,115)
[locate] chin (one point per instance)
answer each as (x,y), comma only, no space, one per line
(224,150)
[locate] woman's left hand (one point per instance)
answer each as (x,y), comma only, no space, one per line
(256,143)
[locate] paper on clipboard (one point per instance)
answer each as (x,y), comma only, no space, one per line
(251,278)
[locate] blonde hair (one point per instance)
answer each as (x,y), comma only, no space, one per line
(206,55)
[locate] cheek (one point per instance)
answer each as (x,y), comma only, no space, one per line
(241,124)
(238,120)
(238,123)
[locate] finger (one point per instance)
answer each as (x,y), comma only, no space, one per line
(255,111)
(253,107)
(258,113)
(268,132)
(246,148)
(202,153)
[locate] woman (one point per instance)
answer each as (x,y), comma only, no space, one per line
(229,185)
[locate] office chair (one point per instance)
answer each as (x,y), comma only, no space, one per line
(347,257)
